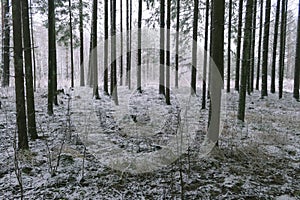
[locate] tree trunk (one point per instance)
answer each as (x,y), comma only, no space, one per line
(162,49)
(282,45)
(19,75)
(259,44)
(105,79)
(121,40)
(205,56)
(94,58)
(33,49)
(253,47)
(217,72)
(297,61)
(81,43)
(168,102)
(177,44)
(52,51)
(6,43)
(238,48)
(71,43)
(194,49)
(114,87)
(28,72)
(128,27)
(229,46)
(139,53)
(273,72)
(264,82)
(245,60)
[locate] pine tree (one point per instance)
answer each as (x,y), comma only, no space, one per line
(81,43)
(177,43)
(94,57)
(259,44)
(162,49)
(19,75)
(245,60)
(6,43)
(297,60)
(194,49)
(139,54)
(71,43)
(121,40)
(205,55)
(105,79)
(238,48)
(28,72)
(51,55)
(229,46)
(168,102)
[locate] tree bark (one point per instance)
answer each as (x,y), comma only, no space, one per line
(139,53)
(94,58)
(81,43)
(259,44)
(177,43)
(238,48)
(71,43)
(205,55)
(6,43)
(297,61)
(52,52)
(229,46)
(121,40)
(114,87)
(194,49)
(168,102)
(162,49)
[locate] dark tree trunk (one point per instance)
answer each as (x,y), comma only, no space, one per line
(71,43)
(81,43)
(273,72)
(121,35)
(194,49)
(52,52)
(251,86)
(205,55)
(28,72)
(128,27)
(238,48)
(94,58)
(177,43)
(139,53)
(245,60)
(229,46)
(282,45)
(33,49)
(19,75)
(264,81)
(168,102)
(114,87)
(217,72)
(259,44)
(105,79)
(162,49)
(297,60)
(6,43)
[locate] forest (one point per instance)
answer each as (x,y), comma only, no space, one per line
(150,99)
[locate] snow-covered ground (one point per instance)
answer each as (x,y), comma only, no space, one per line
(144,149)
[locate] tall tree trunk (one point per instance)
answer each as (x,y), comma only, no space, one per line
(94,51)
(251,57)
(105,79)
(273,72)
(194,49)
(217,72)
(297,60)
(33,49)
(229,46)
(259,44)
(238,48)
(52,52)
(114,86)
(282,45)
(81,43)
(168,102)
(121,40)
(71,43)
(253,47)
(205,55)
(28,72)
(264,82)
(245,60)
(139,53)
(128,27)
(19,75)
(6,43)
(177,43)
(162,49)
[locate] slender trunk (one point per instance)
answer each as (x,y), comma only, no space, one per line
(229,46)
(114,87)
(6,43)
(177,44)
(194,49)
(128,44)
(168,102)
(105,79)
(162,49)
(253,47)
(121,35)
(28,72)
(205,56)
(282,45)
(51,51)
(81,43)
(94,58)
(264,86)
(297,61)
(19,75)
(238,49)
(259,44)
(245,60)
(273,77)
(139,53)
(71,43)
(33,49)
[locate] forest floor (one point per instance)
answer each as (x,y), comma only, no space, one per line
(92,149)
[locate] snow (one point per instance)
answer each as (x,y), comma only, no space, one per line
(110,156)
